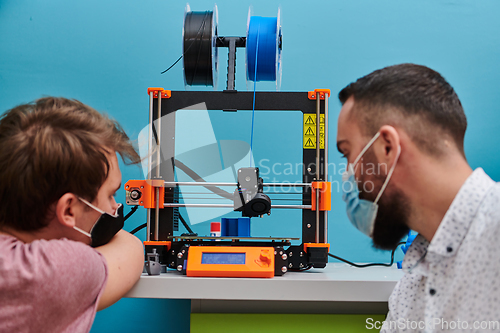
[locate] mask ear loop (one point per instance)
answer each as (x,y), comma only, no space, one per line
(389,175)
(368,145)
(350,167)
(83,231)
(115,214)
(91,205)
(353,165)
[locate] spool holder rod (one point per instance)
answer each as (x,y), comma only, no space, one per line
(231,43)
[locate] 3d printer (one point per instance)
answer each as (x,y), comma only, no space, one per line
(233,256)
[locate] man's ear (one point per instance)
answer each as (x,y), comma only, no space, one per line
(67,208)
(386,148)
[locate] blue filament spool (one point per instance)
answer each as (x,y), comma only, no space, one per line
(263,48)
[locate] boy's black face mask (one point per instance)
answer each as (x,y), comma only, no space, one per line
(105,227)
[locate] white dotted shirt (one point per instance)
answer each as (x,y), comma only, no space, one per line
(453,282)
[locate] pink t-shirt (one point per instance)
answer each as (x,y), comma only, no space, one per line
(49,286)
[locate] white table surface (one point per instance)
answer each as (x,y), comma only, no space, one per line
(337,282)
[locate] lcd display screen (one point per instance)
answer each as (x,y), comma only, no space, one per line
(223,258)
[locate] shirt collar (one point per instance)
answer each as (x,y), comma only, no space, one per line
(455,224)
(415,254)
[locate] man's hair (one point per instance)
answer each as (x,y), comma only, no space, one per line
(51,147)
(414,97)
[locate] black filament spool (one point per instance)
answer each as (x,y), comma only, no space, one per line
(198,46)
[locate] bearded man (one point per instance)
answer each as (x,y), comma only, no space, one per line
(408,121)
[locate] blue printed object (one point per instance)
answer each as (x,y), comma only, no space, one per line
(238,227)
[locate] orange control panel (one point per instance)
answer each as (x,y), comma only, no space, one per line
(230,261)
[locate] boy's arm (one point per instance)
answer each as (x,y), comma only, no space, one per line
(125,259)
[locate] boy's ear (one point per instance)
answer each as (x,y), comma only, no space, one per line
(67,208)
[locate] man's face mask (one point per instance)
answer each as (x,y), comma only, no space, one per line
(105,227)
(362,213)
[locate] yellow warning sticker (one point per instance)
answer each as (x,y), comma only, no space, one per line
(310,131)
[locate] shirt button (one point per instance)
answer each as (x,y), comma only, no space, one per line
(449,249)
(432,292)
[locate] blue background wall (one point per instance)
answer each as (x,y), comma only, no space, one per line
(106,53)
